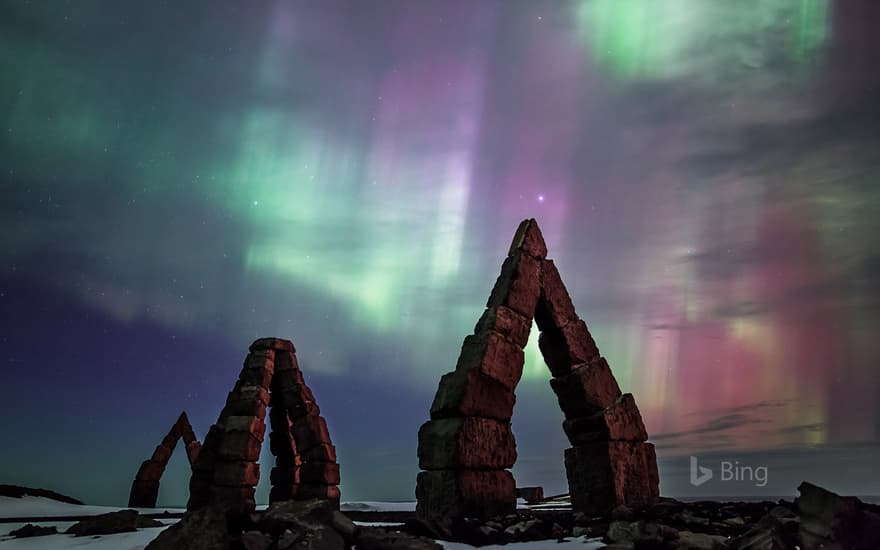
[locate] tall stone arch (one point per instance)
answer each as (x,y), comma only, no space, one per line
(467,447)
(145,487)
(226,471)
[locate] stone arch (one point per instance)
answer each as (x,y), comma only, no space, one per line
(226,471)
(145,487)
(467,447)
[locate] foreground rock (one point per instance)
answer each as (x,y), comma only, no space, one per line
(123,521)
(31,530)
(288,525)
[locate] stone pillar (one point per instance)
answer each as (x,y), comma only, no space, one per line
(145,487)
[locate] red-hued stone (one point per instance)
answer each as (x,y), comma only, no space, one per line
(320,453)
(586,390)
(257,376)
(238,500)
(620,422)
(566,347)
(277,344)
(466,443)
(263,358)
(250,424)
(507,322)
(162,454)
(240,446)
(284,475)
(518,286)
(287,379)
(319,473)
(307,491)
(151,470)
(445,495)
(493,355)
(554,309)
(310,431)
(606,474)
(144,493)
(472,393)
(236,474)
(528,238)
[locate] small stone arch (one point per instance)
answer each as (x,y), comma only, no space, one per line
(145,487)
(467,447)
(226,471)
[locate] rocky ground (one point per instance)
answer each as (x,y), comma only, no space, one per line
(816,519)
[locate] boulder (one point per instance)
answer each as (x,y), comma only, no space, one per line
(444,495)
(466,443)
(202,529)
(518,286)
(606,474)
(472,393)
(493,355)
(507,322)
(255,540)
(554,309)
(586,390)
(566,347)
(619,422)
(30,530)
(528,239)
(122,521)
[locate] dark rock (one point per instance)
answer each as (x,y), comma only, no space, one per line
(377,538)
(619,422)
(237,473)
(343,525)
(507,322)
(295,515)
(472,393)
(607,474)
(768,534)
(255,540)
(528,239)
(466,443)
(325,473)
(493,355)
(30,530)
(310,431)
(122,521)
(827,517)
(531,495)
(565,348)
(202,529)
(587,390)
(518,286)
(447,494)
(688,540)
(278,344)
(554,309)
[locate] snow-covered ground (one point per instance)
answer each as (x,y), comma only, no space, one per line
(42,507)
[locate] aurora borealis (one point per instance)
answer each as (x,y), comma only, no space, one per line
(179,179)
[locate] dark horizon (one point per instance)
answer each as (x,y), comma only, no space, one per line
(178,181)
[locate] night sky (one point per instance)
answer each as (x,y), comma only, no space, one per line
(180,178)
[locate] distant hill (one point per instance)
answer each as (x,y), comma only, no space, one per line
(15,491)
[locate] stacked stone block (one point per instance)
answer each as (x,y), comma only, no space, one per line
(467,447)
(145,487)
(305,460)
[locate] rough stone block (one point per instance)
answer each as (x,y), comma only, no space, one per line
(200,492)
(151,470)
(566,347)
(494,355)
(240,446)
(620,422)
(466,443)
(554,309)
(192,451)
(281,444)
(310,431)
(257,376)
(260,359)
(250,424)
(144,493)
(208,454)
(236,473)
(506,322)
(445,495)
(280,493)
(586,390)
(285,361)
(297,401)
(472,393)
(162,454)
(320,453)
(528,239)
(277,344)
(606,474)
(319,473)
(530,494)
(518,286)
(243,407)
(287,379)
